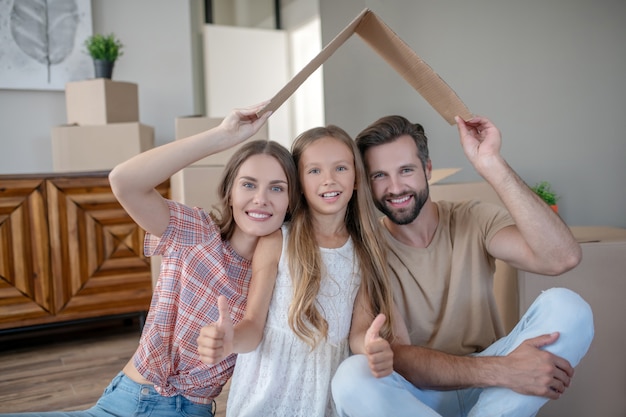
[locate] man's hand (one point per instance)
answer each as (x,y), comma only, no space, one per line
(481,141)
(533,371)
(378,351)
(216,339)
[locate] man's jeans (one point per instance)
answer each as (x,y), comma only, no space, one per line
(124,397)
(357,393)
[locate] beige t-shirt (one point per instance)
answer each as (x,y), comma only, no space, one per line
(445,291)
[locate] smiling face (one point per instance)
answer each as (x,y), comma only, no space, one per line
(259,196)
(327,175)
(398,179)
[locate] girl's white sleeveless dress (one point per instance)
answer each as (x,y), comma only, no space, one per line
(283,376)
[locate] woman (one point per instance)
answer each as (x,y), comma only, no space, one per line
(203,256)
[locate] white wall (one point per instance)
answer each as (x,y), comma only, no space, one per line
(157,35)
(550,74)
(300,18)
(163,54)
(307,103)
(237,74)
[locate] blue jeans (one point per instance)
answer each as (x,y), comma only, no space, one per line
(124,398)
(357,392)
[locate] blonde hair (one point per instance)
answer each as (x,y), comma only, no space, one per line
(305,263)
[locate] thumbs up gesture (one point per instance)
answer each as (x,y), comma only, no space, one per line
(378,350)
(216,339)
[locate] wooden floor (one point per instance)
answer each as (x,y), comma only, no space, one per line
(66,368)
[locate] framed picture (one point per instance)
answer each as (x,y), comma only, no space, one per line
(41,43)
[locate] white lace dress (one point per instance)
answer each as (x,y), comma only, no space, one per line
(283,377)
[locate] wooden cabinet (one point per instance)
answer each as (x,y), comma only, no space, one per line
(68,251)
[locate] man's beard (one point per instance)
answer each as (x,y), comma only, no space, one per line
(405,215)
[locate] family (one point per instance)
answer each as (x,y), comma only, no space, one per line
(316,305)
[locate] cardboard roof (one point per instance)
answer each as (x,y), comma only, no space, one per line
(397,54)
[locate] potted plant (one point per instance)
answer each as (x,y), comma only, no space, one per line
(544,190)
(104,49)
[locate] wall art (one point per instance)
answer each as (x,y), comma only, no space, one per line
(42,43)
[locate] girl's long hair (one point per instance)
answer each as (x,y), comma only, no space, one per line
(305,262)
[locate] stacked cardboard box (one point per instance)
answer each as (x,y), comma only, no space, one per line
(599,381)
(103,127)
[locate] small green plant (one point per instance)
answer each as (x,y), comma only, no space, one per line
(104,47)
(544,190)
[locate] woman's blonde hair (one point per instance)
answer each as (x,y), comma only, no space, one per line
(223,215)
(305,263)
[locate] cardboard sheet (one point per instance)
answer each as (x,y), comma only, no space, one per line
(397,54)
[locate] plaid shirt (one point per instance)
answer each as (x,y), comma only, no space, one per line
(197,266)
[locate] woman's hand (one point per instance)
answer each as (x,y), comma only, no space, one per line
(215,342)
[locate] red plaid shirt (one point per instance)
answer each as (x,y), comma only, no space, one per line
(197,266)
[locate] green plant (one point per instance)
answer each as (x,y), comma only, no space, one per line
(544,190)
(104,47)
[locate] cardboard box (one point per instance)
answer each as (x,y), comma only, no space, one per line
(191,125)
(96,148)
(101,101)
(599,383)
(479,190)
(196,186)
(397,54)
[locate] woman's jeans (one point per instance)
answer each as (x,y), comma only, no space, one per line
(357,392)
(126,398)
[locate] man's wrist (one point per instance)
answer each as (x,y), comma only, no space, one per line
(491,372)
(493,169)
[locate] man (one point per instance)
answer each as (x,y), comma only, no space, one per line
(459,362)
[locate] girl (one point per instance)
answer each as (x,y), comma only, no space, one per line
(306,277)
(204,255)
